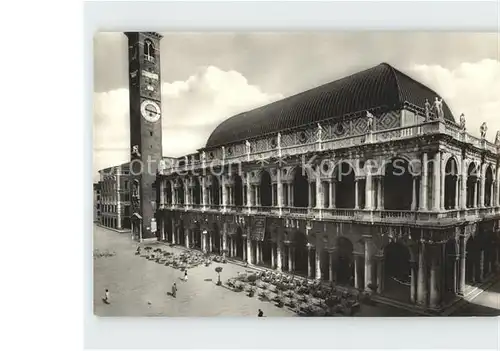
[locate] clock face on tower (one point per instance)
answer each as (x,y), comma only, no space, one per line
(150,110)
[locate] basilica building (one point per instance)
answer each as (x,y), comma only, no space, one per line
(368,182)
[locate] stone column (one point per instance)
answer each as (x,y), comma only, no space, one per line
(290,259)
(380,183)
(413,279)
(279,188)
(456,273)
(368,192)
(357,281)
(203,241)
(309,198)
(436,206)
(457,192)
(249,250)
(249,191)
(492,194)
(368,261)
(245,250)
(330,265)
(423,183)
(318,263)
(462,253)
(434,295)
(319,190)
(272,256)
(380,275)
(476,183)
(309,259)
(258,245)
(422,277)
(186,234)
(278,257)
(162,191)
(442,180)
(356,194)
(173,232)
(414,194)
(291,187)
(163,229)
(224,240)
(186,194)
(463,188)
(482,191)
(210,244)
(481,266)
(331,202)
(272,194)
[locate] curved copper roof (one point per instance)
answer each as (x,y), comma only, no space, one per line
(381,86)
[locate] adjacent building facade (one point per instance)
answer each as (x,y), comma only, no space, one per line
(97,202)
(115,197)
(368,182)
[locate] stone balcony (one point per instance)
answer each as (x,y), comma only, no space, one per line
(419,218)
(402,133)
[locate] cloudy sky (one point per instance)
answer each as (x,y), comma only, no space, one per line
(208,77)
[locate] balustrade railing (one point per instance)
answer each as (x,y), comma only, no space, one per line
(346,214)
(433,127)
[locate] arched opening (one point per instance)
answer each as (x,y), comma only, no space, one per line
(181,234)
(451,269)
(451,184)
(324,263)
(215,191)
(267,247)
(300,188)
(345,186)
(472,178)
(398,186)
(217,240)
(168,193)
(488,186)
(345,262)
(471,259)
(180,192)
(265,189)
(301,254)
(197,236)
(239,243)
(197,192)
(149,50)
(397,271)
(238,190)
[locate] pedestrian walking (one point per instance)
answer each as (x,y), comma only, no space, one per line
(261,314)
(174,290)
(106,296)
(185,275)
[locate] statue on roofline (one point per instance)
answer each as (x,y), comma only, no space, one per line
(369,122)
(320,132)
(483,129)
(438,106)
(462,122)
(428,109)
(497,138)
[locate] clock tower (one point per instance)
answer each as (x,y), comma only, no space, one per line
(145,128)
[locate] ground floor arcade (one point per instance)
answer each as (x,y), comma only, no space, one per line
(413,265)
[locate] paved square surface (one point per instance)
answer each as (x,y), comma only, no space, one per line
(139,287)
